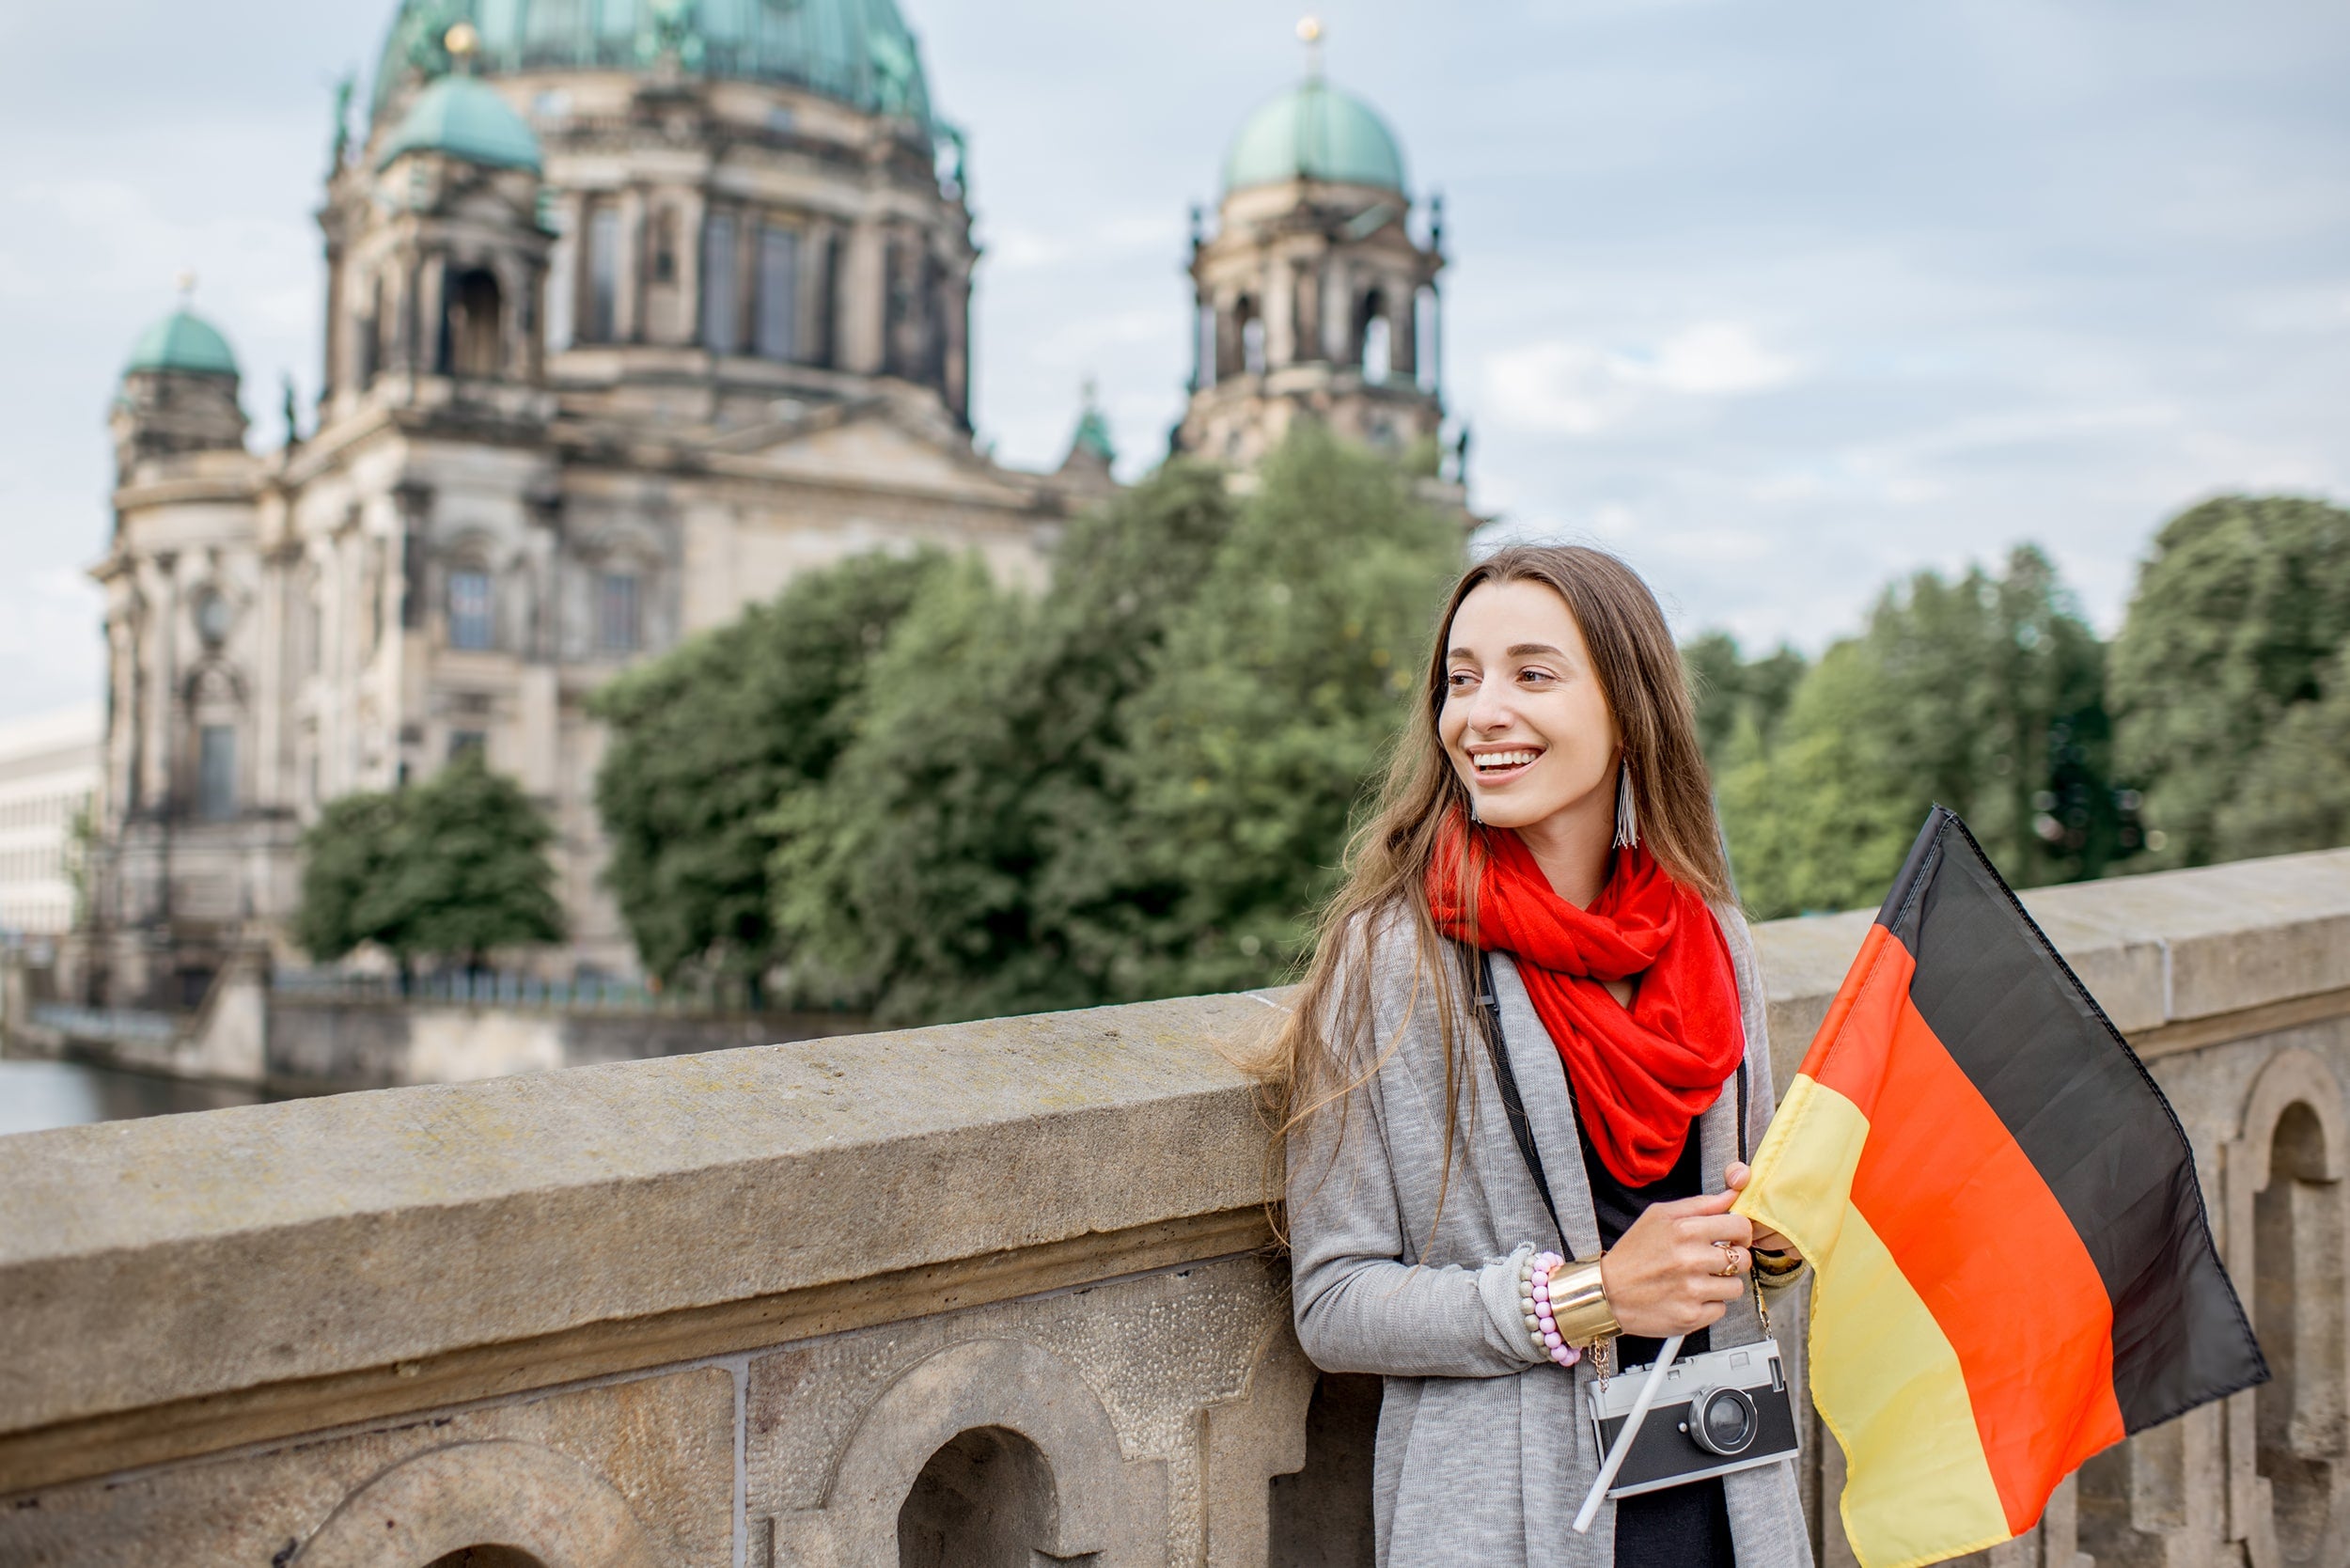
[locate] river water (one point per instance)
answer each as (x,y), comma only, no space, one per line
(38,1094)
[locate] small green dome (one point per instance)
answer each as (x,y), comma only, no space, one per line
(1315,131)
(464,118)
(184,342)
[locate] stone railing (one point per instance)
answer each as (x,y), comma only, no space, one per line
(998,1292)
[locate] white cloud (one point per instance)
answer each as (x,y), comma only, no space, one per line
(1561,387)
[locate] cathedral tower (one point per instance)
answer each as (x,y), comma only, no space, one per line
(1314,300)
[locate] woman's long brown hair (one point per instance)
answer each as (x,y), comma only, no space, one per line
(1326,1050)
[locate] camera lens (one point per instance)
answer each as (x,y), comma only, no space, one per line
(1723,1422)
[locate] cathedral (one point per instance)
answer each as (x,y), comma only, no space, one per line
(633,310)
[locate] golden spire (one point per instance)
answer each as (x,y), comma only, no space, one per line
(1309,34)
(463,41)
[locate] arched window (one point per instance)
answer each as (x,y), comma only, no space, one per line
(2298,1415)
(472,612)
(778,292)
(602,323)
(1377,351)
(721,291)
(1252,355)
(476,331)
(620,612)
(216,709)
(1371,335)
(985,1500)
(371,336)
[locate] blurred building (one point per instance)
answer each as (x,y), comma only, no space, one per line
(631,312)
(47,779)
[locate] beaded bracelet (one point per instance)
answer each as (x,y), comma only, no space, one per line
(1534,1297)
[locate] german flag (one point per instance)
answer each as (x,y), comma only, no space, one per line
(2013,1267)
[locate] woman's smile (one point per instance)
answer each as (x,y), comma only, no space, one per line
(1498,765)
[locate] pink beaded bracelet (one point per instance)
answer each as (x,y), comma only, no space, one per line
(1534,1297)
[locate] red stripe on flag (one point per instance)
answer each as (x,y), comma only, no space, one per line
(1980,1239)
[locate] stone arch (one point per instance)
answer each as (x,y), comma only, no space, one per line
(499,1504)
(2288,1226)
(473,324)
(985,1500)
(1373,335)
(1101,1506)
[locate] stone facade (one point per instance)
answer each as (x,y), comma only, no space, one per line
(588,390)
(994,1294)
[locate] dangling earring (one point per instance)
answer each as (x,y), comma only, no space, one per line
(1473,816)
(1627,830)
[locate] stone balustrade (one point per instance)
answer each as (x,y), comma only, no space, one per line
(992,1294)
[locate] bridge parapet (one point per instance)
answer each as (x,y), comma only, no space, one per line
(989,1293)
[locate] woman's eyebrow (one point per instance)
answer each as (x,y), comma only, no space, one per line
(1526,650)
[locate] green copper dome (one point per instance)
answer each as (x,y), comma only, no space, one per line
(1315,131)
(859,52)
(463,119)
(183,341)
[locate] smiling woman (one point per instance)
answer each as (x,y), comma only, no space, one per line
(1506,1094)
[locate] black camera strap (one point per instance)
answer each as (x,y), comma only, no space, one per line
(1513,1105)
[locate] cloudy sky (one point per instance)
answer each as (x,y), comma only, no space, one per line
(1780,300)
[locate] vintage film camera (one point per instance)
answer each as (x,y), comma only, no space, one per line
(1723,1411)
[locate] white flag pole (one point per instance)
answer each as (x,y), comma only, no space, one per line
(1649,1391)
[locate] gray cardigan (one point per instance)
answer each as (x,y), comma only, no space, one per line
(1485,1453)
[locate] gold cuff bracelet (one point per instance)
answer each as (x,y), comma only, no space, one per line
(1776,1270)
(1578,1304)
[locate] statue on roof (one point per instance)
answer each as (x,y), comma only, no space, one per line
(344,88)
(667,35)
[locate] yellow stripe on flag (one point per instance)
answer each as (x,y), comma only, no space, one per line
(1918,1488)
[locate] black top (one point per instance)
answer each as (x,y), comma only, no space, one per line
(1686,1525)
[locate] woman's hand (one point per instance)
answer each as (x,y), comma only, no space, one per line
(1734,1178)
(1666,1276)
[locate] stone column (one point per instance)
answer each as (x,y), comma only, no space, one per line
(628,305)
(957,327)
(1280,314)
(862,295)
(1338,314)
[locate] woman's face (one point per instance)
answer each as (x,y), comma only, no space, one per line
(1523,718)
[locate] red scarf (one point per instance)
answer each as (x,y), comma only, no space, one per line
(1642,1073)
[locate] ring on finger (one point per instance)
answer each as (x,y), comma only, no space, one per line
(1730,1269)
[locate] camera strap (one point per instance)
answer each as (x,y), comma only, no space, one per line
(1513,1105)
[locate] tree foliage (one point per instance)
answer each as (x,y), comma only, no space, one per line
(1137,784)
(968,856)
(1985,693)
(1282,687)
(704,740)
(450,867)
(2228,678)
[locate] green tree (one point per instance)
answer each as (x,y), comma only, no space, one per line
(705,739)
(344,860)
(1282,685)
(1734,693)
(963,857)
(450,867)
(1985,693)
(2239,622)
(2296,794)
